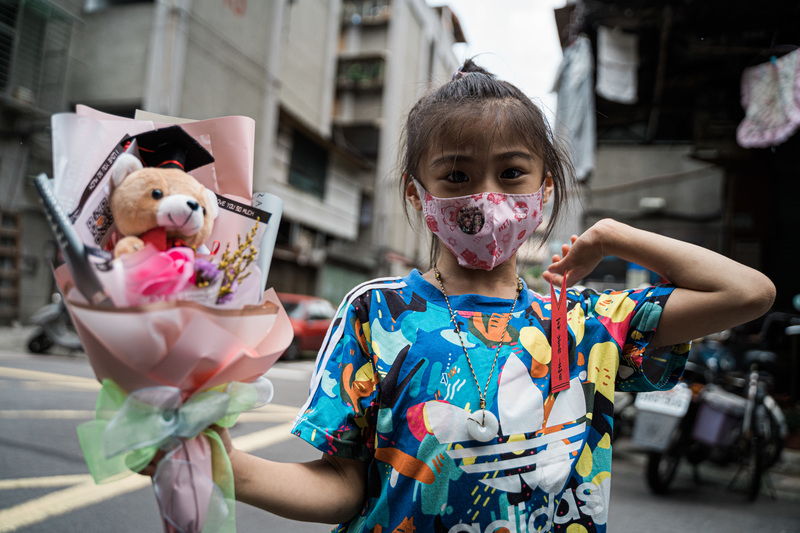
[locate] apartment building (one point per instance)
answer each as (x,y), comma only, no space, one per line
(668,98)
(34,44)
(327,82)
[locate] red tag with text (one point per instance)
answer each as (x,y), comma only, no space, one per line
(559,339)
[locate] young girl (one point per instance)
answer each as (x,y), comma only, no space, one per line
(433,399)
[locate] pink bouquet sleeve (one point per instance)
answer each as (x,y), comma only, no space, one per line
(171,365)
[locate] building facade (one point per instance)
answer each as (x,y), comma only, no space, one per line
(34,48)
(665,92)
(326,81)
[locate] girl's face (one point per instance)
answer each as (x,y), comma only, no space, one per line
(476,162)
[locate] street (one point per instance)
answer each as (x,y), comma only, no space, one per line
(44,484)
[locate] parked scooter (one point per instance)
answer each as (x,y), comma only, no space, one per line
(55,328)
(721,412)
(624,414)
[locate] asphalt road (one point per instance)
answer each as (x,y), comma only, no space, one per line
(45,487)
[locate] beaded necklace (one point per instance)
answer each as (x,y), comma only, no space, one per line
(482,424)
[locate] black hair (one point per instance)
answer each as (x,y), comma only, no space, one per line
(475,93)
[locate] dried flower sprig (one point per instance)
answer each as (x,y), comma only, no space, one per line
(234,265)
(205,272)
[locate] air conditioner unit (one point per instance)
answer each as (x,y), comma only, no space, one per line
(24,95)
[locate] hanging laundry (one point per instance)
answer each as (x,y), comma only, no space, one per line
(771,99)
(617,65)
(575,115)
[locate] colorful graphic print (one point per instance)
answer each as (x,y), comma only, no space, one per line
(470,219)
(393,387)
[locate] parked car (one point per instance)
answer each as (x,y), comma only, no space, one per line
(310,316)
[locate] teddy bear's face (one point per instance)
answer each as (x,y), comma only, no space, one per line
(170,198)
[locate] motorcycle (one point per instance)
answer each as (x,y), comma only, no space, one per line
(721,411)
(624,414)
(55,328)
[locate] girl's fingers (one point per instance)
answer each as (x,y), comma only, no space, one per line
(555,279)
(150,469)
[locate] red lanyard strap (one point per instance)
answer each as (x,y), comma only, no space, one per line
(559,339)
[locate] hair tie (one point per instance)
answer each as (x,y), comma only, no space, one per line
(457,74)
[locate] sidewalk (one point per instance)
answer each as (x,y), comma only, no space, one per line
(784,476)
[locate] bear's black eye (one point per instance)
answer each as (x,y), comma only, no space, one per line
(204,211)
(157,194)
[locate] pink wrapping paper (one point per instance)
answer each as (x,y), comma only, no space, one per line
(177,343)
(180,344)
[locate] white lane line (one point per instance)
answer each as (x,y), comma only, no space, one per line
(292,372)
(85,493)
(266,437)
(43,482)
(45,414)
(268,413)
(64,501)
(65,380)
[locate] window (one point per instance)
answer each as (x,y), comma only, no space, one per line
(34,42)
(309,165)
(94,5)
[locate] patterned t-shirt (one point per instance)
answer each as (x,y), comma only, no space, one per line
(393,387)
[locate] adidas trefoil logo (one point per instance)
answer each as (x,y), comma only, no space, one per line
(521,410)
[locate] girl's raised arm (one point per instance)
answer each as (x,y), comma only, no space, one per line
(714,292)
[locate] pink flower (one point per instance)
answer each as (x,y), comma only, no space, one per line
(469,256)
(520,210)
(496,198)
(150,273)
(451,215)
(472,258)
(431,222)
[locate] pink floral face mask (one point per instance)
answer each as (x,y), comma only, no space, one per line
(482,230)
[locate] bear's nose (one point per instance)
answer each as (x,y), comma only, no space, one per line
(192,205)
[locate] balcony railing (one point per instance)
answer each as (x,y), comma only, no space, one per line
(366,12)
(361,74)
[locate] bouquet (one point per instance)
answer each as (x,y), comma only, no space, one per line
(179,337)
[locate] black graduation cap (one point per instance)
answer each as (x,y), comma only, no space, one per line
(171,147)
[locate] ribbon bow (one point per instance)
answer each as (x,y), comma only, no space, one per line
(128,431)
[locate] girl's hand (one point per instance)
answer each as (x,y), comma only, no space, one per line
(579,258)
(712,292)
(225,436)
(150,469)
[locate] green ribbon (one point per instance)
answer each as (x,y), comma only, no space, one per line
(129,429)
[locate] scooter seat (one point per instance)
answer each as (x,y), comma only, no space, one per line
(761,357)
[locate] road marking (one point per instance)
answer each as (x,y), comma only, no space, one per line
(292,371)
(267,413)
(43,482)
(80,491)
(266,437)
(84,493)
(46,414)
(72,382)
(65,501)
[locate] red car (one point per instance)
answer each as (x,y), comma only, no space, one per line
(310,317)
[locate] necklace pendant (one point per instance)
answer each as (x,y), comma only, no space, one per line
(482,425)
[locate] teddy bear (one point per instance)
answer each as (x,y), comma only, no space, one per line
(163,206)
